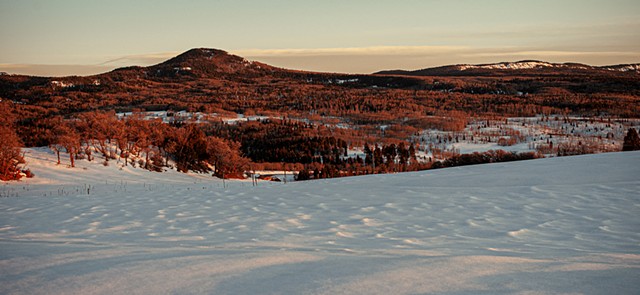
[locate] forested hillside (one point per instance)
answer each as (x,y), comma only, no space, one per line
(305,119)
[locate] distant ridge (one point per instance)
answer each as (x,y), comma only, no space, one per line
(205,65)
(508,68)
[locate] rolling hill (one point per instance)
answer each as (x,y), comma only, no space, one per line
(549,226)
(524,67)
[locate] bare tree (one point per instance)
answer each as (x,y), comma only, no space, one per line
(66,138)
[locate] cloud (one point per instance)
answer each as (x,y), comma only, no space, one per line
(140,59)
(54,70)
(350,51)
(555,53)
(372,59)
(61,70)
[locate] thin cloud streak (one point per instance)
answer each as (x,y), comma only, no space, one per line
(54,70)
(374,50)
(373,59)
(141,59)
(463,52)
(557,53)
(352,59)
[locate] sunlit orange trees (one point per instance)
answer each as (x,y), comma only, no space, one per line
(10,154)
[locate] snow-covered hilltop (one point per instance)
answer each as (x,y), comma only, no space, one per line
(534,64)
(548,226)
(623,68)
(518,67)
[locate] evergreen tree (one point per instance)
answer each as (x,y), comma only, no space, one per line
(368,155)
(303,175)
(631,141)
(377,157)
(412,154)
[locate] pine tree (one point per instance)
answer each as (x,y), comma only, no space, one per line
(368,155)
(412,154)
(631,141)
(303,175)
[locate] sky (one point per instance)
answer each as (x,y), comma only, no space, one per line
(81,37)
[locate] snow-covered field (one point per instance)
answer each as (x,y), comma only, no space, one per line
(548,226)
(527,134)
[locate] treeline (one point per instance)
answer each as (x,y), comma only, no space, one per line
(391,158)
(491,156)
(225,149)
(288,141)
(377,159)
(149,144)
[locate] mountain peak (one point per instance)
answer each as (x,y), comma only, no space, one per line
(207,62)
(197,54)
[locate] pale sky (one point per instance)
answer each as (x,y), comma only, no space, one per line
(65,37)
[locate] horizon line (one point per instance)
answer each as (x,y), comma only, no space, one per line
(315,59)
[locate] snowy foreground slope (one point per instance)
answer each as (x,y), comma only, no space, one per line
(549,226)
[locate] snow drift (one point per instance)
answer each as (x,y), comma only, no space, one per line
(560,225)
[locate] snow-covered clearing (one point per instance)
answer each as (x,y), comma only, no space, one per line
(191,117)
(548,226)
(524,134)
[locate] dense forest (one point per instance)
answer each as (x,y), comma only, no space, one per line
(310,120)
